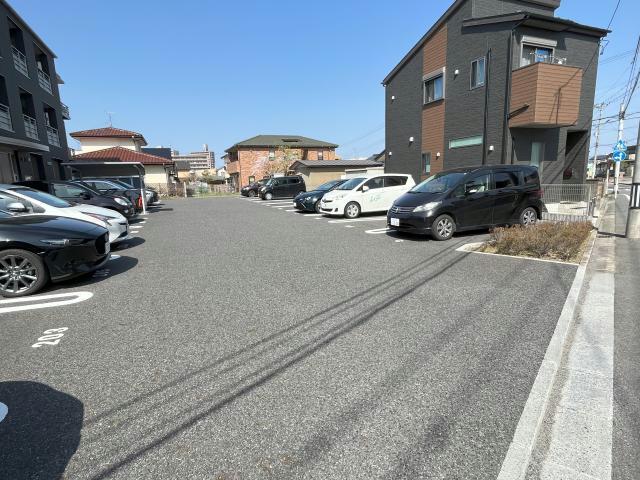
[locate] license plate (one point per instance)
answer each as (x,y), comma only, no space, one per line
(395,222)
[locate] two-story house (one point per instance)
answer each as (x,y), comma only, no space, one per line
(251,159)
(110,144)
(495,82)
(33,141)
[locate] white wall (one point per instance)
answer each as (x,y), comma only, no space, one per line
(100,143)
(155,174)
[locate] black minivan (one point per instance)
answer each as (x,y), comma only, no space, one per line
(282,187)
(467,199)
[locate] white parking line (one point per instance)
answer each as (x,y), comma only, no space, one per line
(312,215)
(72,297)
(363,219)
(399,241)
(377,231)
(114,257)
(349,226)
(292,210)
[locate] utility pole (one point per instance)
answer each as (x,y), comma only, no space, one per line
(600,107)
(633,215)
(616,171)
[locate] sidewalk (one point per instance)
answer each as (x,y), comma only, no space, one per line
(575,438)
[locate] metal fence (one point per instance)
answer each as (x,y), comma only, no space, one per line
(569,202)
(186,189)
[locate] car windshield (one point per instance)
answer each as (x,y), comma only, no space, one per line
(269,182)
(438,183)
(351,184)
(42,197)
(87,187)
(328,186)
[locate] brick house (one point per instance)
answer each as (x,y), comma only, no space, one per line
(258,156)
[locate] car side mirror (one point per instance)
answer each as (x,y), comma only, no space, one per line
(365,188)
(17,207)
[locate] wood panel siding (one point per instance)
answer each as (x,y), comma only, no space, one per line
(434,57)
(545,95)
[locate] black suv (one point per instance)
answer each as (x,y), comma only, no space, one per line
(282,187)
(78,193)
(467,199)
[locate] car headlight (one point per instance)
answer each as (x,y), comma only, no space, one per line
(121,201)
(63,242)
(426,207)
(312,199)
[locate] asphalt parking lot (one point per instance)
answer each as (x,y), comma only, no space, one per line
(239,339)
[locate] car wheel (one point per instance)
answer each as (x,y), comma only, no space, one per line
(443,227)
(251,193)
(268,196)
(21,273)
(352,210)
(529,216)
(316,207)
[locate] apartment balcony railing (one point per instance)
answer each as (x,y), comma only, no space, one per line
(545,95)
(65,111)
(20,61)
(5,118)
(31,127)
(52,136)
(44,80)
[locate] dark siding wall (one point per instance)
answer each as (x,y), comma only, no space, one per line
(403,118)
(15,80)
(485,8)
(465,107)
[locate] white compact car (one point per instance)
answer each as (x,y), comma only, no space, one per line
(365,194)
(18,199)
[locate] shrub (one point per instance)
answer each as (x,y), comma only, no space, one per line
(557,241)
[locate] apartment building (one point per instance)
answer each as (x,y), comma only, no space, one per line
(33,141)
(495,82)
(198,161)
(254,158)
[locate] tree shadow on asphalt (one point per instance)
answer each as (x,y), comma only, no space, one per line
(247,369)
(40,432)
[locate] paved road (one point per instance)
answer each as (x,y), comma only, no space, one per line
(626,408)
(235,340)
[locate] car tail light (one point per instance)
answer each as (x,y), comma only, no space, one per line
(140,202)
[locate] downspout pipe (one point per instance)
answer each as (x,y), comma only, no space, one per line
(507,97)
(487,75)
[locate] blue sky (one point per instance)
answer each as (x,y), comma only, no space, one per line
(193,72)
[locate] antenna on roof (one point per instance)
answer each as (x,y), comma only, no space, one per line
(110,119)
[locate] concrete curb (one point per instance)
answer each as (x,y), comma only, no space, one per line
(518,458)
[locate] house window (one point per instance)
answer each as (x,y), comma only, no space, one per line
(320,154)
(477,73)
(272,154)
(465,142)
(426,163)
(535,54)
(433,87)
(537,155)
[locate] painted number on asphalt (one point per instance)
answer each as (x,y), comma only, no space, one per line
(50,337)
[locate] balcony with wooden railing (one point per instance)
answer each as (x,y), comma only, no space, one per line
(545,94)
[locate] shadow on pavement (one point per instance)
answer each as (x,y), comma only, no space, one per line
(40,432)
(130,243)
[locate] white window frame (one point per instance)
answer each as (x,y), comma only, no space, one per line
(441,72)
(484,77)
(537,43)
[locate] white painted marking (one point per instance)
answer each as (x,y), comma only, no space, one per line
(399,241)
(292,210)
(50,337)
(3,411)
(377,231)
(134,231)
(349,226)
(114,257)
(311,215)
(73,297)
(318,218)
(137,225)
(362,219)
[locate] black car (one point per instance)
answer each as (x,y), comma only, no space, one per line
(37,248)
(467,199)
(111,188)
(283,187)
(310,201)
(75,192)
(252,189)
